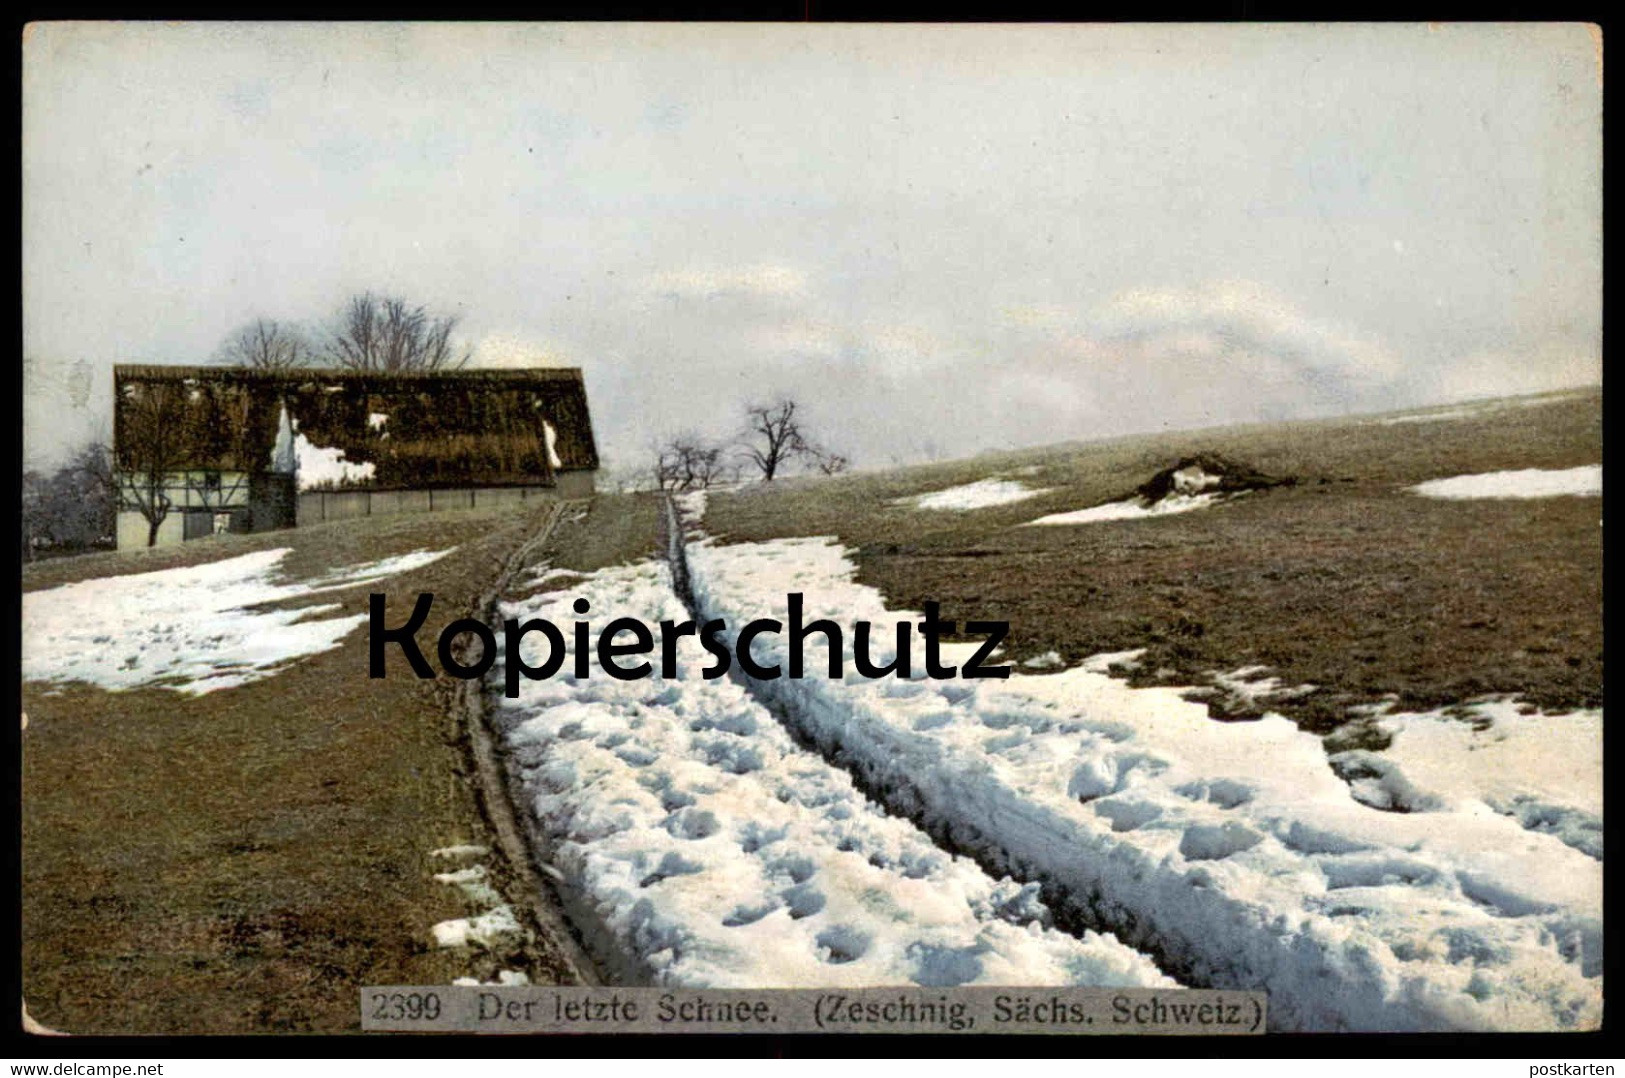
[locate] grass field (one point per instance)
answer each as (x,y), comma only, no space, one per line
(1344,581)
(244,860)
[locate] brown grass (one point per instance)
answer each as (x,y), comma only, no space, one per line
(1344,581)
(244,861)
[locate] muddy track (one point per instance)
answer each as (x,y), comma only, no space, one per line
(555,947)
(1073,913)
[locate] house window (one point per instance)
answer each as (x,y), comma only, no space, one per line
(211,481)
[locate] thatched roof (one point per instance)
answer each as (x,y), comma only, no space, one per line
(419,429)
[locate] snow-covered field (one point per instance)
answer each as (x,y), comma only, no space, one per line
(195,629)
(700,846)
(1237,852)
(979,495)
(1524,483)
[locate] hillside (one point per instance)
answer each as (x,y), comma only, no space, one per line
(1310,707)
(1345,581)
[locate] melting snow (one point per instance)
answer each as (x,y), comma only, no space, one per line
(1543,770)
(1468,411)
(978,495)
(552,437)
(692,503)
(1132,509)
(1233,847)
(1433,417)
(700,846)
(190,628)
(1528,483)
(504,977)
(488,930)
(320,466)
(472,883)
(284,459)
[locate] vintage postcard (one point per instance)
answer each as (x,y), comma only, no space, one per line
(811,529)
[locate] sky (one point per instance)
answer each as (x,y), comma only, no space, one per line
(940,240)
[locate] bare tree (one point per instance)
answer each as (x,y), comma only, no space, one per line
(268,345)
(35,516)
(687,462)
(149,439)
(829,462)
(775,438)
(774,435)
(388,334)
(73,509)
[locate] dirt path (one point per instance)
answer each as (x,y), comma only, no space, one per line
(556,953)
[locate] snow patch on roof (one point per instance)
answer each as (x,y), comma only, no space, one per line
(320,466)
(552,437)
(1583,481)
(978,495)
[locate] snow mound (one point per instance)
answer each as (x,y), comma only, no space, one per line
(700,846)
(1193,482)
(1527,483)
(194,629)
(979,495)
(1232,851)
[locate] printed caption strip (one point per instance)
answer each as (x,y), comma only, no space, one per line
(534,1009)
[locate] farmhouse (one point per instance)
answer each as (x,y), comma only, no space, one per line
(204,450)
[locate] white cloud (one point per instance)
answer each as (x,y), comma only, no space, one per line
(1243,317)
(515,350)
(766,280)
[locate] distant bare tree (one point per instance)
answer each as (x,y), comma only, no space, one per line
(268,345)
(149,438)
(74,509)
(389,334)
(829,462)
(774,436)
(689,463)
(34,516)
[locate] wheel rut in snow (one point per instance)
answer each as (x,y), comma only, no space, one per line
(1073,913)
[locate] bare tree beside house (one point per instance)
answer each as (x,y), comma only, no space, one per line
(268,345)
(387,333)
(149,441)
